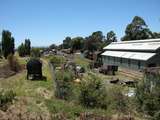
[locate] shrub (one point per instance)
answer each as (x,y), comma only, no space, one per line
(92,92)
(148,95)
(117,100)
(13,63)
(57,60)
(35,52)
(6,97)
(157,116)
(63,84)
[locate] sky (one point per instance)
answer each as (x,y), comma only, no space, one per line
(46,22)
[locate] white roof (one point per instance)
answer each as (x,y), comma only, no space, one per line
(145,45)
(129,55)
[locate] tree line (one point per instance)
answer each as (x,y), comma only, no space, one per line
(7,45)
(136,30)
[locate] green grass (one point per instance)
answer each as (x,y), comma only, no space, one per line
(39,95)
(83,62)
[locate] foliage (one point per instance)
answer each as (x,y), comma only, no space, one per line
(94,42)
(35,52)
(0,49)
(148,95)
(56,60)
(53,46)
(27,45)
(25,48)
(77,43)
(63,84)
(92,92)
(21,50)
(137,30)
(6,96)
(111,37)
(156,116)
(13,63)
(155,35)
(7,43)
(83,62)
(67,43)
(117,100)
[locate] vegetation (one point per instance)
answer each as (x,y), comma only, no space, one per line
(147,95)
(67,43)
(93,93)
(7,43)
(13,63)
(111,37)
(6,96)
(25,48)
(56,60)
(138,30)
(35,52)
(63,84)
(77,43)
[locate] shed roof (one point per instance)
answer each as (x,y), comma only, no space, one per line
(142,45)
(129,55)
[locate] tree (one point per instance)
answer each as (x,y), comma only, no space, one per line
(21,50)
(53,46)
(156,35)
(111,37)
(94,42)
(0,50)
(77,43)
(27,45)
(25,48)
(12,45)
(67,43)
(137,30)
(7,43)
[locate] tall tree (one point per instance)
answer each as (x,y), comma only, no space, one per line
(111,37)
(67,42)
(77,43)
(12,45)
(25,48)
(21,50)
(137,30)
(27,45)
(7,43)
(0,50)
(94,42)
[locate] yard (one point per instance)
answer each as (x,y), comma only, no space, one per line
(36,99)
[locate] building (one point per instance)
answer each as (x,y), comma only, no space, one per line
(135,55)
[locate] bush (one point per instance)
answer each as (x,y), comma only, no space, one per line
(117,100)
(157,116)
(148,95)
(13,63)
(92,92)
(5,98)
(35,52)
(64,85)
(57,60)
